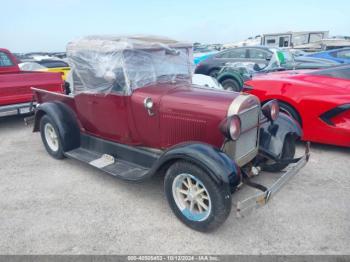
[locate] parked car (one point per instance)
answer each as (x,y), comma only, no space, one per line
(201,56)
(318,99)
(206,81)
(56,66)
(134,113)
(46,66)
(15,93)
(259,55)
(298,52)
(203,52)
(232,74)
(341,55)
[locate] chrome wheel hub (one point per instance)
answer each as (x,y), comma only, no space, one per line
(51,137)
(191,197)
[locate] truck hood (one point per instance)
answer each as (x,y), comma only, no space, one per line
(192,113)
(197,100)
(183,112)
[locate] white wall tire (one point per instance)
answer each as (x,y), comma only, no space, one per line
(191,197)
(195,198)
(51,137)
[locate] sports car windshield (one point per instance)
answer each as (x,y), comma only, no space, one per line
(335,72)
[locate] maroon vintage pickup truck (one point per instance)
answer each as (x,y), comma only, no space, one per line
(15,93)
(135,113)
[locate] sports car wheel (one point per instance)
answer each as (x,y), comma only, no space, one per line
(288,152)
(50,137)
(287,109)
(231,85)
(194,197)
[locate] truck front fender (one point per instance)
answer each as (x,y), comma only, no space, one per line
(272,135)
(219,166)
(65,120)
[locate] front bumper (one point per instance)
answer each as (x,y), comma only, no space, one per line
(260,199)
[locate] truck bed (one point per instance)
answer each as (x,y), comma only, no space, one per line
(15,87)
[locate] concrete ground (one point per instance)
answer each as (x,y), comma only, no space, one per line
(65,207)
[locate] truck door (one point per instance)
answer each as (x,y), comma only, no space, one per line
(8,76)
(104,109)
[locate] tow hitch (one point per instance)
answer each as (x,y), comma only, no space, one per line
(263,197)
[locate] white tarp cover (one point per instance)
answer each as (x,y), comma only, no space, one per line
(104,64)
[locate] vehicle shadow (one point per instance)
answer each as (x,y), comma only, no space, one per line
(329,148)
(12,121)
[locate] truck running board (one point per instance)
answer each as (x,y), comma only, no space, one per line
(109,164)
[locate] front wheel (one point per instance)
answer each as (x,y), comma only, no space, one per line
(195,198)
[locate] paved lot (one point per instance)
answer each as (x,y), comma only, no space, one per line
(54,207)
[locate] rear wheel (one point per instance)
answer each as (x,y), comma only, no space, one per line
(194,197)
(50,137)
(231,85)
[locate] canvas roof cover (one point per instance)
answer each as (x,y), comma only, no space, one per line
(105,64)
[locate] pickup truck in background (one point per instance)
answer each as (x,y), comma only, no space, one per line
(15,85)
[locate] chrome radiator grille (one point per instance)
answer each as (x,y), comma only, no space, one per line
(248,141)
(246,147)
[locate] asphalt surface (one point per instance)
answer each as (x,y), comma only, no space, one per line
(49,206)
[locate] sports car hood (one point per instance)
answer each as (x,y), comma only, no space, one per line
(306,78)
(288,74)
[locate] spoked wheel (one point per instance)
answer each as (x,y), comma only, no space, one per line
(191,197)
(195,198)
(50,137)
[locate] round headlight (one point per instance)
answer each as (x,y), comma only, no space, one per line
(271,110)
(275,110)
(235,127)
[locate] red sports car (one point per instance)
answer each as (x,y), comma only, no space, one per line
(318,99)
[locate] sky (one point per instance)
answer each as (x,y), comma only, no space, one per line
(44,25)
